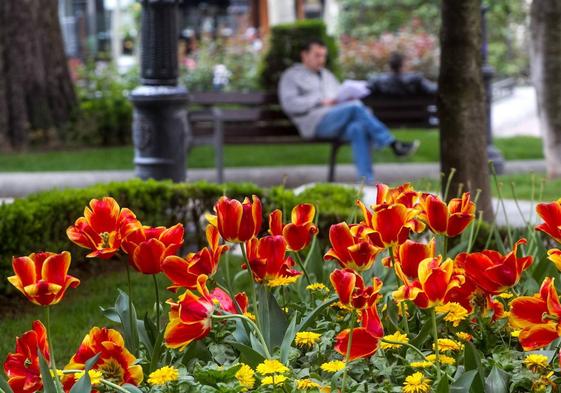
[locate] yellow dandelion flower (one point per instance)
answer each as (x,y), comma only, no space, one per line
(271,366)
(446,360)
(505,295)
(464,336)
(95,376)
(249,315)
(333,366)
(421,364)
(416,383)
(274,380)
(536,362)
(307,384)
(515,333)
(306,339)
(317,287)
(397,337)
(163,375)
(282,281)
(455,312)
(325,389)
(246,377)
(447,345)
(342,307)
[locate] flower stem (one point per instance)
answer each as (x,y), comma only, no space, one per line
(301,264)
(51,348)
(401,304)
(157,303)
(348,354)
(131,319)
(435,338)
(444,247)
(253,296)
(253,326)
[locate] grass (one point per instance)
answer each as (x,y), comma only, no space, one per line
(525,186)
(120,158)
(78,312)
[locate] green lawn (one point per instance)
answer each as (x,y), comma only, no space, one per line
(78,311)
(527,186)
(248,155)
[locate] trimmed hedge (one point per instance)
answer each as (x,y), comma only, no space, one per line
(39,222)
(286,43)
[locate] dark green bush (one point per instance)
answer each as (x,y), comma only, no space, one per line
(39,222)
(285,45)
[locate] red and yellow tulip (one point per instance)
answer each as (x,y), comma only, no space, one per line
(269,263)
(236,221)
(115,362)
(351,247)
(42,277)
(537,316)
(102,228)
(551,214)
(183,272)
(299,232)
(410,254)
(22,366)
(190,318)
(403,194)
(352,291)
(494,273)
(435,282)
(449,220)
(148,247)
(365,339)
(389,224)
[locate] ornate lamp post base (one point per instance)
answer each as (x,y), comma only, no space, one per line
(160,128)
(159,132)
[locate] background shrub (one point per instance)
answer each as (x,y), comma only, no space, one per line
(286,41)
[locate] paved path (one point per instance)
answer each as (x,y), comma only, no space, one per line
(517,114)
(19,184)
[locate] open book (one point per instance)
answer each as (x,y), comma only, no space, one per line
(352,90)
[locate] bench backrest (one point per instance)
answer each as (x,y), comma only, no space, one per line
(256,117)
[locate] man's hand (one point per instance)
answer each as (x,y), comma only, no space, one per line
(328,102)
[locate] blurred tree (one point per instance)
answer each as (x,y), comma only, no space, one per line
(36,91)
(463,143)
(545,27)
(368,19)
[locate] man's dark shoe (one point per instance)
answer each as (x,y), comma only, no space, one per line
(405,149)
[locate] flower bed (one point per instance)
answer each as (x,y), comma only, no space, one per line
(392,305)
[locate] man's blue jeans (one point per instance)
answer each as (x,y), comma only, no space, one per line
(352,122)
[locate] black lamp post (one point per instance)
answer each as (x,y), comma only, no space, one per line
(493,154)
(160,128)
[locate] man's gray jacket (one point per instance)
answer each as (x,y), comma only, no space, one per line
(301,91)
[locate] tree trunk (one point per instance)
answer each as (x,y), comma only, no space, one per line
(36,91)
(545,29)
(461,109)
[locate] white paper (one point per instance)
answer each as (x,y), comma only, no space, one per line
(352,90)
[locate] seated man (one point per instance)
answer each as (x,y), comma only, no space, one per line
(398,83)
(307,93)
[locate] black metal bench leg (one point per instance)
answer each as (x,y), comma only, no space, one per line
(333,161)
(218,144)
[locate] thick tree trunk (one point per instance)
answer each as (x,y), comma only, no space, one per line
(461,100)
(545,28)
(36,91)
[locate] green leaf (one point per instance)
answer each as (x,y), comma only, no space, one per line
(497,381)
(247,354)
(464,382)
(126,315)
(314,261)
(443,386)
(110,314)
(472,361)
(48,382)
(131,388)
(84,384)
(288,339)
(306,322)
(423,335)
(4,386)
(273,320)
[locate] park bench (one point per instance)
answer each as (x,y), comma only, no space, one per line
(219,118)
